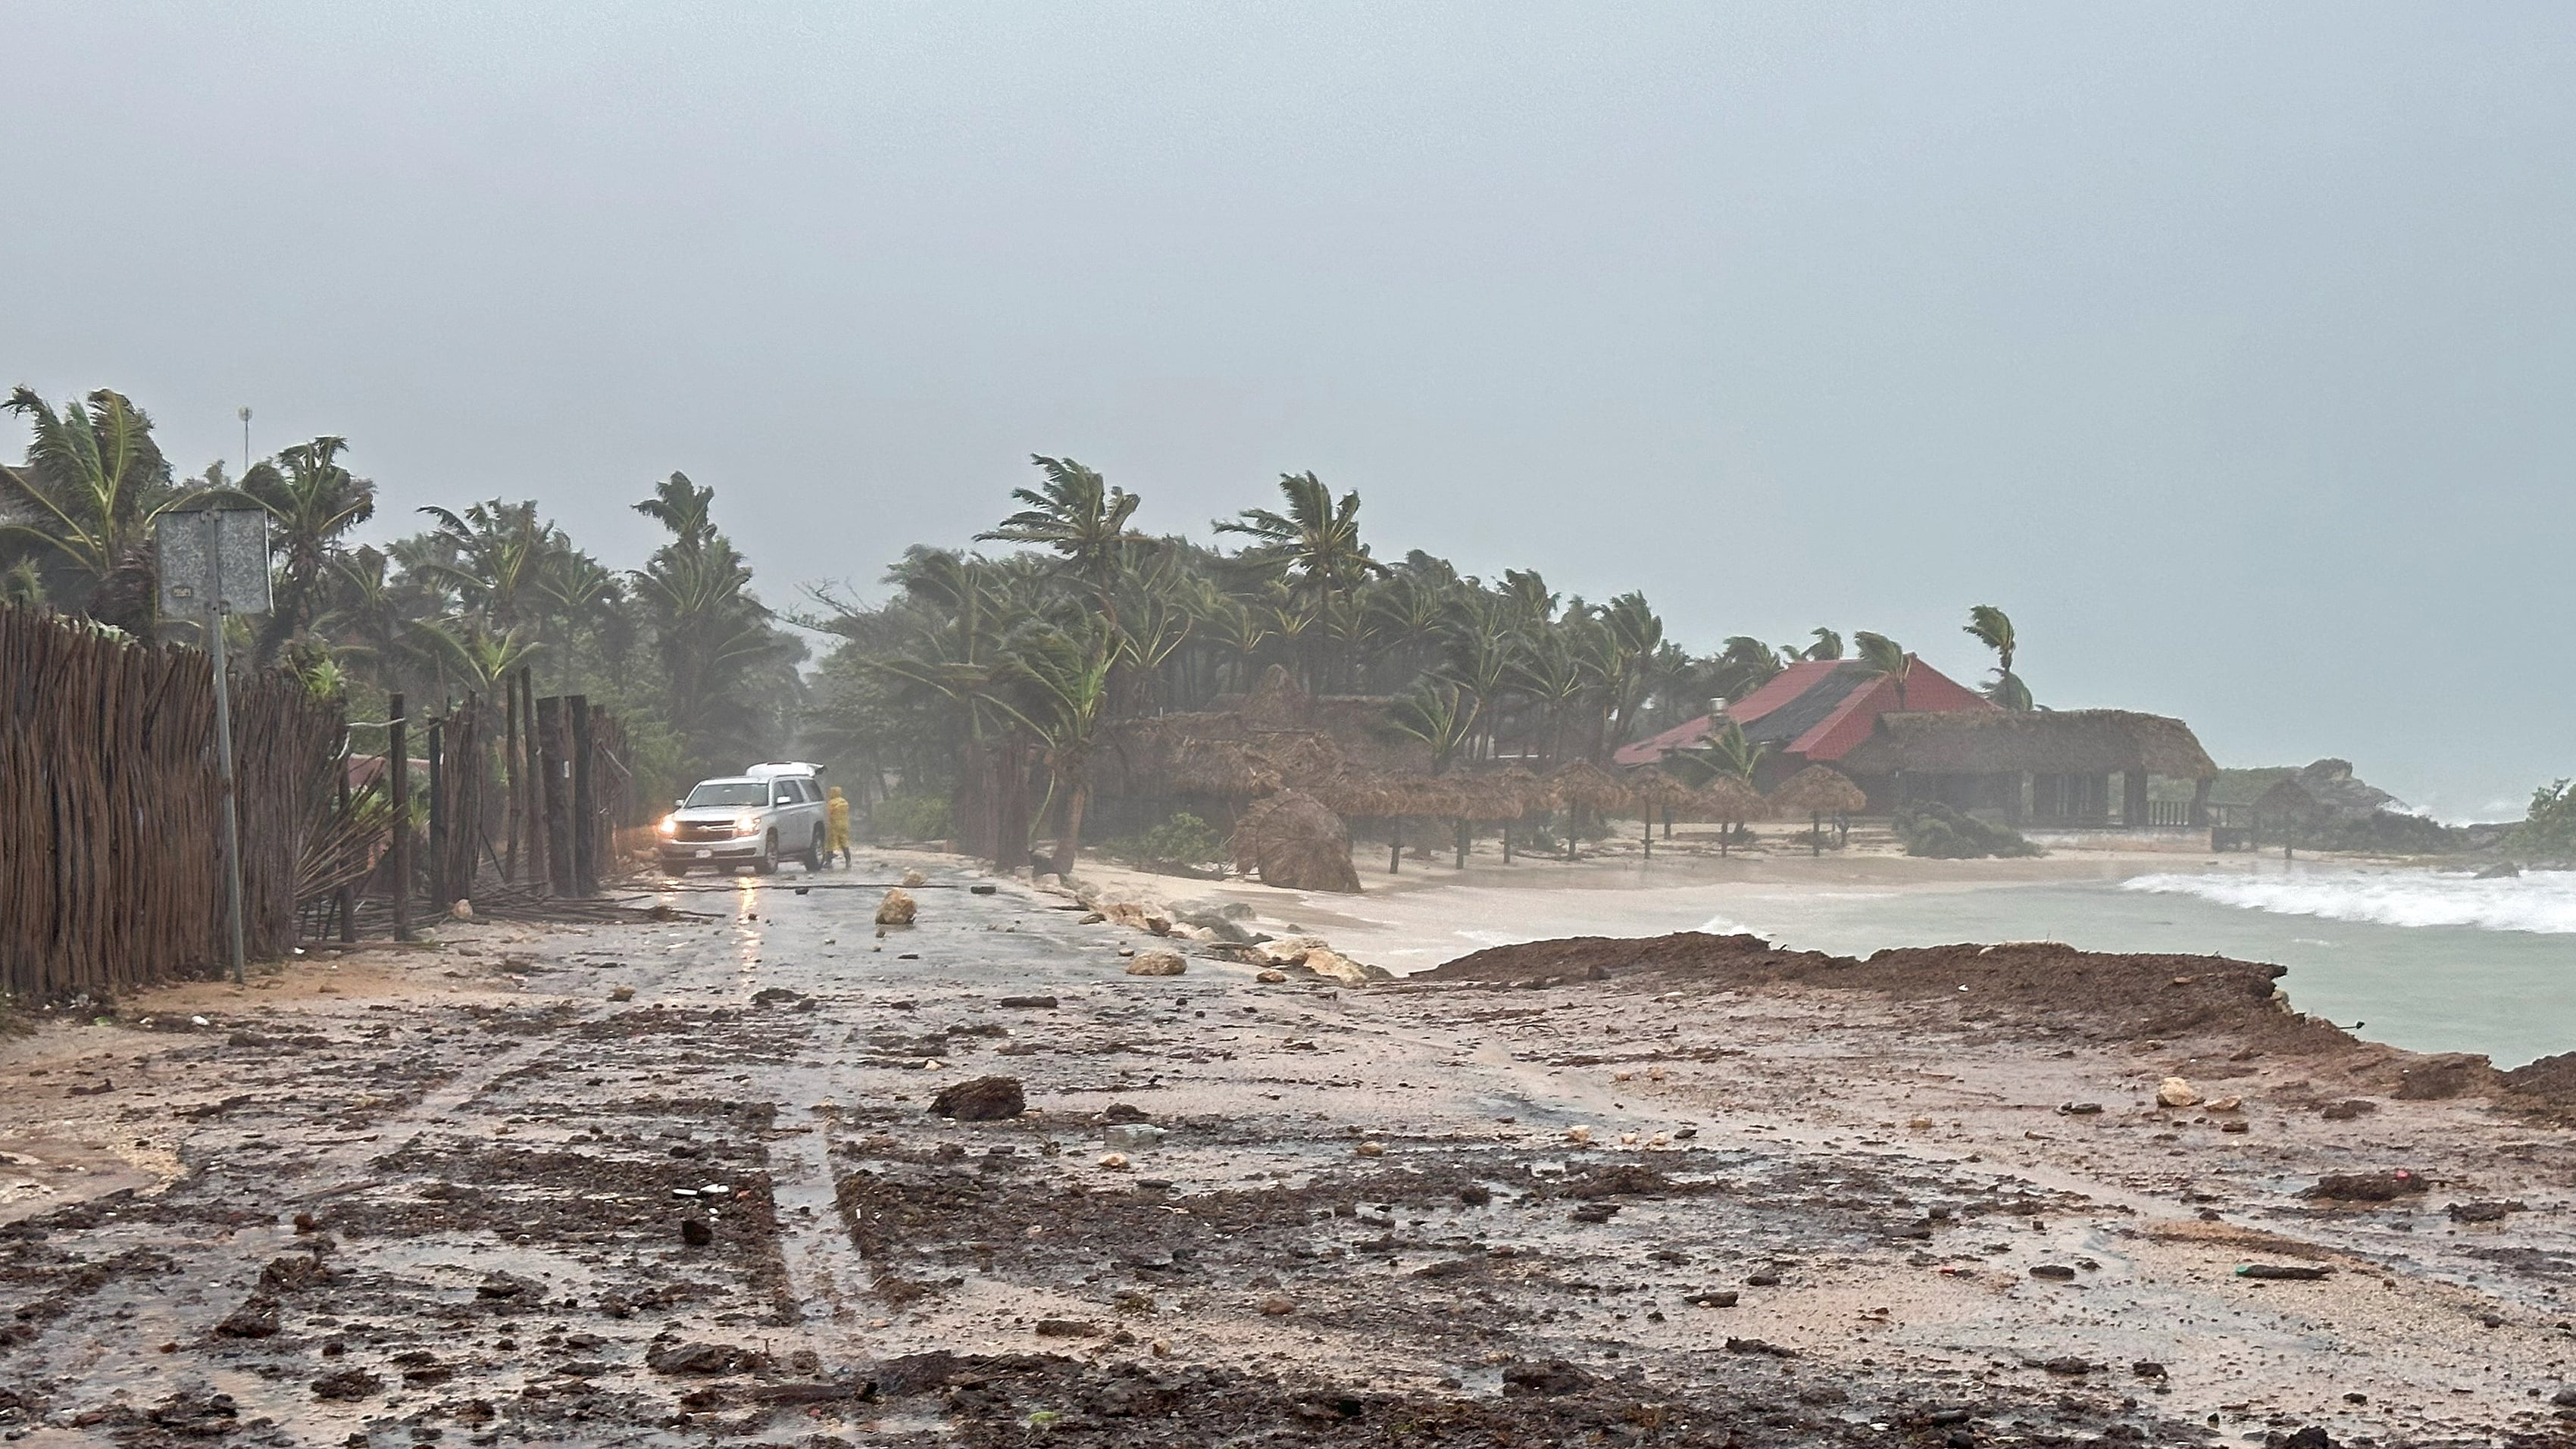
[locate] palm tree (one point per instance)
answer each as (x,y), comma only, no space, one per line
(312,502)
(1993,628)
(500,555)
(1076,513)
(87,496)
(1828,645)
(1742,665)
(1315,544)
(1886,659)
(1064,671)
(713,637)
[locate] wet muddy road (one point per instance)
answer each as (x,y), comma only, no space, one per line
(681,1182)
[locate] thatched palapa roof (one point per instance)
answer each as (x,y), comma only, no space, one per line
(1732,800)
(1651,790)
(1818,790)
(1586,786)
(2041,742)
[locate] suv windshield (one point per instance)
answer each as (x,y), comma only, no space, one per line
(729,792)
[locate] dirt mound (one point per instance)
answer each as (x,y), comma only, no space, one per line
(1295,843)
(2094,994)
(2551,1079)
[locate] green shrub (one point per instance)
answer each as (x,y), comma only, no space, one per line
(1183,839)
(911,817)
(1938,831)
(2549,831)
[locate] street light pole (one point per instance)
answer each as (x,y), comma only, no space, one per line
(224,772)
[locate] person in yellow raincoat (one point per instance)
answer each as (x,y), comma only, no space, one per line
(836,839)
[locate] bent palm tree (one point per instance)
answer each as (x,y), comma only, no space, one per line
(314,502)
(1076,513)
(1993,628)
(91,487)
(1886,659)
(1315,544)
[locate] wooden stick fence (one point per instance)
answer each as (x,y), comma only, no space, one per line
(109,864)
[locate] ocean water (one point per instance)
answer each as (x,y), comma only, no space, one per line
(2427,961)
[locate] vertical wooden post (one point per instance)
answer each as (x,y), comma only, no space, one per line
(555,789)
(439,895)
(532,783)
(398,771)
(344,901)
(1649,814)
(510,780)
(585,809)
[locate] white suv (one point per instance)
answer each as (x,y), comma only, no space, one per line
(754,818)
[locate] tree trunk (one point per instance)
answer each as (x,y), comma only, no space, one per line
(1066,849)
(1462,845)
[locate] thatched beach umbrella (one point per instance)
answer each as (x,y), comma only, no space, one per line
(1654,793)
(1421,795)
(1584,786)
(1486,797)
(1294,842)
(1731,801)
(1228,769)
(1818,791)
(1510,793)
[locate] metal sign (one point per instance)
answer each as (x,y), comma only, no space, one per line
(213,556)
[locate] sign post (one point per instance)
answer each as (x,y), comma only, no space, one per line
(213,558)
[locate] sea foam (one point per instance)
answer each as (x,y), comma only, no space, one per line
(2541,903)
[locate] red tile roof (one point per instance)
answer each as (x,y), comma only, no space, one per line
(1844,723)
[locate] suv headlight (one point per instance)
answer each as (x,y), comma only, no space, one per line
(669,826)
(746,825)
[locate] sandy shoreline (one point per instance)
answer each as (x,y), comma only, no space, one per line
(1506,1202)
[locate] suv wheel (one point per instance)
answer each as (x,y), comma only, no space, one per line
(813,856)
(767,864)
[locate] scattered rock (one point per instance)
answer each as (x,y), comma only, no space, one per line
(2311,1437)
(897,909)
(2068,1365)
(696,1233)
(1475,1194)
(2147,1368)
(621,993)
(1270,977)
(1066,1328)
(2348,1109)
(2485,1212)
(2056,1272)
(1157,963)
(1371,1149)
(982,1099)
(2283,1272)
(1713,1298)
(914,880)
(705,1358)
(1027,1003)
(1755,1345)
(2368,1186)
(1545,1377)
(1114,1161)
(347,1384)
(461,911)
(2175,1092)
(256,1318)
(983,890)
(2081,1109)
(509,1287)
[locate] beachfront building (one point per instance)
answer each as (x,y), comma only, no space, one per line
(2077,768)
(1815,713)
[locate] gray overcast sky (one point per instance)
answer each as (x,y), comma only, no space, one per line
(2228,347)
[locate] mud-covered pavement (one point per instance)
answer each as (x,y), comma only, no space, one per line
(680,1183)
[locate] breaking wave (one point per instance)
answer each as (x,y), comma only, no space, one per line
(2540,903)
